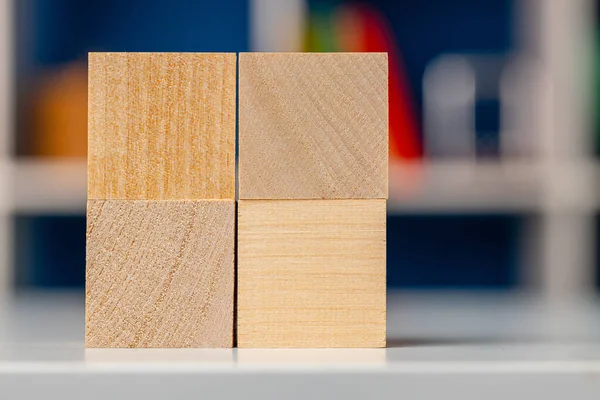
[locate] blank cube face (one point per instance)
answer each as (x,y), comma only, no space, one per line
(160,273)
(311,273)
(313,126)
(161,126)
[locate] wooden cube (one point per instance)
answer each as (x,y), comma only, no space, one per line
(313,125)
(161,126)
(311,273)
(160,273)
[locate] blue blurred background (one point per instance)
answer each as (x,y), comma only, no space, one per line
(471,206)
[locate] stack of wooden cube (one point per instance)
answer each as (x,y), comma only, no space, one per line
(313,158)
(161,231)
(161,200)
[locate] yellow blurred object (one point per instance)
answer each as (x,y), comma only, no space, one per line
(60,113)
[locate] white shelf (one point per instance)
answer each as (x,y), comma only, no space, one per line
(59,186)
(50,186)
(447,186)
(475,346)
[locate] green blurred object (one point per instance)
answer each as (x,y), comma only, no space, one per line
(320,32)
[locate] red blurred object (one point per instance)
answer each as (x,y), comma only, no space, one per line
(365,29)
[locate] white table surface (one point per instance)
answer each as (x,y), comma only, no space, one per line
(467,346)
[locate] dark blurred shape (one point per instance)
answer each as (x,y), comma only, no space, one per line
(50,251)
(487,128)
(453,251)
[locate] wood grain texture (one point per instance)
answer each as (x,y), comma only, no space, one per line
(161,126)
(160,273)
(311,273)
(313,125)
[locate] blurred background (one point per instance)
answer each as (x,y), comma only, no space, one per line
(493,133)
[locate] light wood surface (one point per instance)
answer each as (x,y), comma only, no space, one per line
(313,125)
(161,126)
(311,273)
(160,273)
